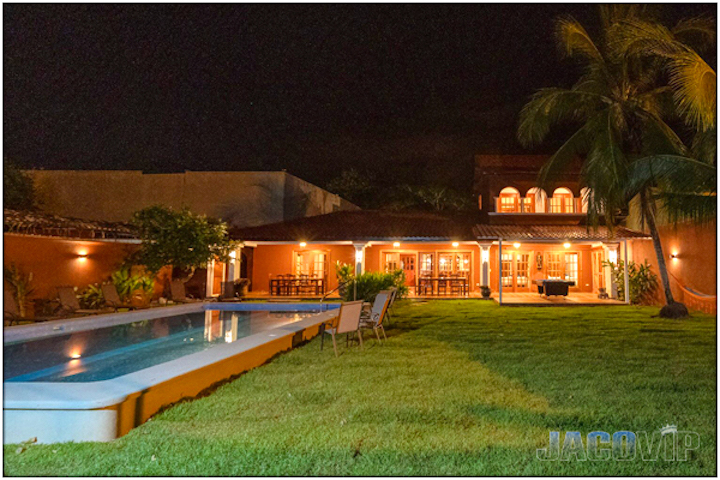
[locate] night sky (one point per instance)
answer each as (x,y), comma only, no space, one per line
(407,92)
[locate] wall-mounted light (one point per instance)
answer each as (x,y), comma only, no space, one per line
(396,244)
(358,255)
(612,256)
(516,245)
(485,255)
(455,244)
(232,254)
(567,245)
(303,244)
(673,256)
(82,255)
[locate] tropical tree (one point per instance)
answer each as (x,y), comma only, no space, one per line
(179,238)
(620,104)
(18,188)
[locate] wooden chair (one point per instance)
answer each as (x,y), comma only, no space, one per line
(112,298)
(347,322)
(374,318)
(69,302)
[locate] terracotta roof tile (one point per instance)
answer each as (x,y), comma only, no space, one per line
(40,223)
(367,225)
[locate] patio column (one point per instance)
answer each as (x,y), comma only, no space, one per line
(235,263)
(611,254)
(499,271)
(210,278)
(484,264)
(627,275)
(359,257)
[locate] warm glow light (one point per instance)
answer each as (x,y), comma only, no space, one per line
(75,354)
(396,244)
(455,244)
(82,255)
(303,244)
(566,244)
(516,245)
(232,254)
(358,256)
(673,256)
(612,256)
(485,255)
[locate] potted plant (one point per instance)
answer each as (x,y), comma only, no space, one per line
(241,287)
(485,291)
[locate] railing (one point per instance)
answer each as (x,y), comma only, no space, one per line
(521,207)
(322,300)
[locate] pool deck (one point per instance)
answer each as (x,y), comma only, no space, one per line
(105,410)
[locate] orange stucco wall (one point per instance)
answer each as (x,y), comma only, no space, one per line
(56,262)
(696,250)
(272,260)
(585,276)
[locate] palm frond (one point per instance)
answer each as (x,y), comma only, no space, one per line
(704,146)
(550,106)
(697,31)
(573,40)
(695,85)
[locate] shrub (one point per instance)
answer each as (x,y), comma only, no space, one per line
(371,283)
(643,282)
(128,283)
(21,284)
(92,297)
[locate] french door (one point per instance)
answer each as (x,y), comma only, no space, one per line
(598,270)
(515,271)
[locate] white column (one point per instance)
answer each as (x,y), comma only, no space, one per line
(499,271)
(484,264)
(235,263)
(210,278)
(611,255)
(359,257)
(627,275)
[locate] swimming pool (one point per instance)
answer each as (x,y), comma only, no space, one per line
(95,378)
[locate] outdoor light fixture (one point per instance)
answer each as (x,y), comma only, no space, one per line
(455,244)
(673,256)
(358,256)
(485,255)
(303,244)
(232,254)
(516,245)
(566,244)
(82,255)
(396,244)
(612,256)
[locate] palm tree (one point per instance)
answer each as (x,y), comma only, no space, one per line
(620,105)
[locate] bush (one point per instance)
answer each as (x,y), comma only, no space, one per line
(371,283)
(643,282)
(128,283)
(92,297)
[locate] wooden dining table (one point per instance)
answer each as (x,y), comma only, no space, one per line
(443,285)
(286,285)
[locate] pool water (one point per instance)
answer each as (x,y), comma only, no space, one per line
(106,353)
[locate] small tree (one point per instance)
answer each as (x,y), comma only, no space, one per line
(180,238)
(18,188)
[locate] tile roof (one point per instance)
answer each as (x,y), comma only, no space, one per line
(363,225)
(367,225)
(553,232)
(40,223)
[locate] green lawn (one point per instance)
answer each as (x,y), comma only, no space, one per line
(460,388)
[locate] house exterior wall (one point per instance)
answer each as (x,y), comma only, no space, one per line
(56,262)
(695,265)
(272,260)
(240,198)
(585,273)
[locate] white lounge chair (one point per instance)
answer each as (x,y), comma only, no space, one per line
(347,321)
(376,315)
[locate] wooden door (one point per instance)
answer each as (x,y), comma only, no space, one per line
(407,263)
(598,270)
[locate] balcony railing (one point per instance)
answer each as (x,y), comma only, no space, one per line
(551,205)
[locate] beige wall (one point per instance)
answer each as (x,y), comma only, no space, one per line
(240,198)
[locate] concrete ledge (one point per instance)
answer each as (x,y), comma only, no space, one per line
(104,410)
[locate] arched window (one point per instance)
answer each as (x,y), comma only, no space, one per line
(562,201)
(535,200)
(509,200)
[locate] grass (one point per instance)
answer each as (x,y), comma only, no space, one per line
(460,388)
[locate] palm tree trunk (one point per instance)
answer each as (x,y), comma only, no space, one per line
(649,217)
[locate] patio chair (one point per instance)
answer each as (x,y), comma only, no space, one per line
(177,292)
(112,298)
(11,311)
(374,318)
(69,302)
(347,322)
(227,292)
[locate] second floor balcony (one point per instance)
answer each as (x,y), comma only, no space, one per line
(536,200)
